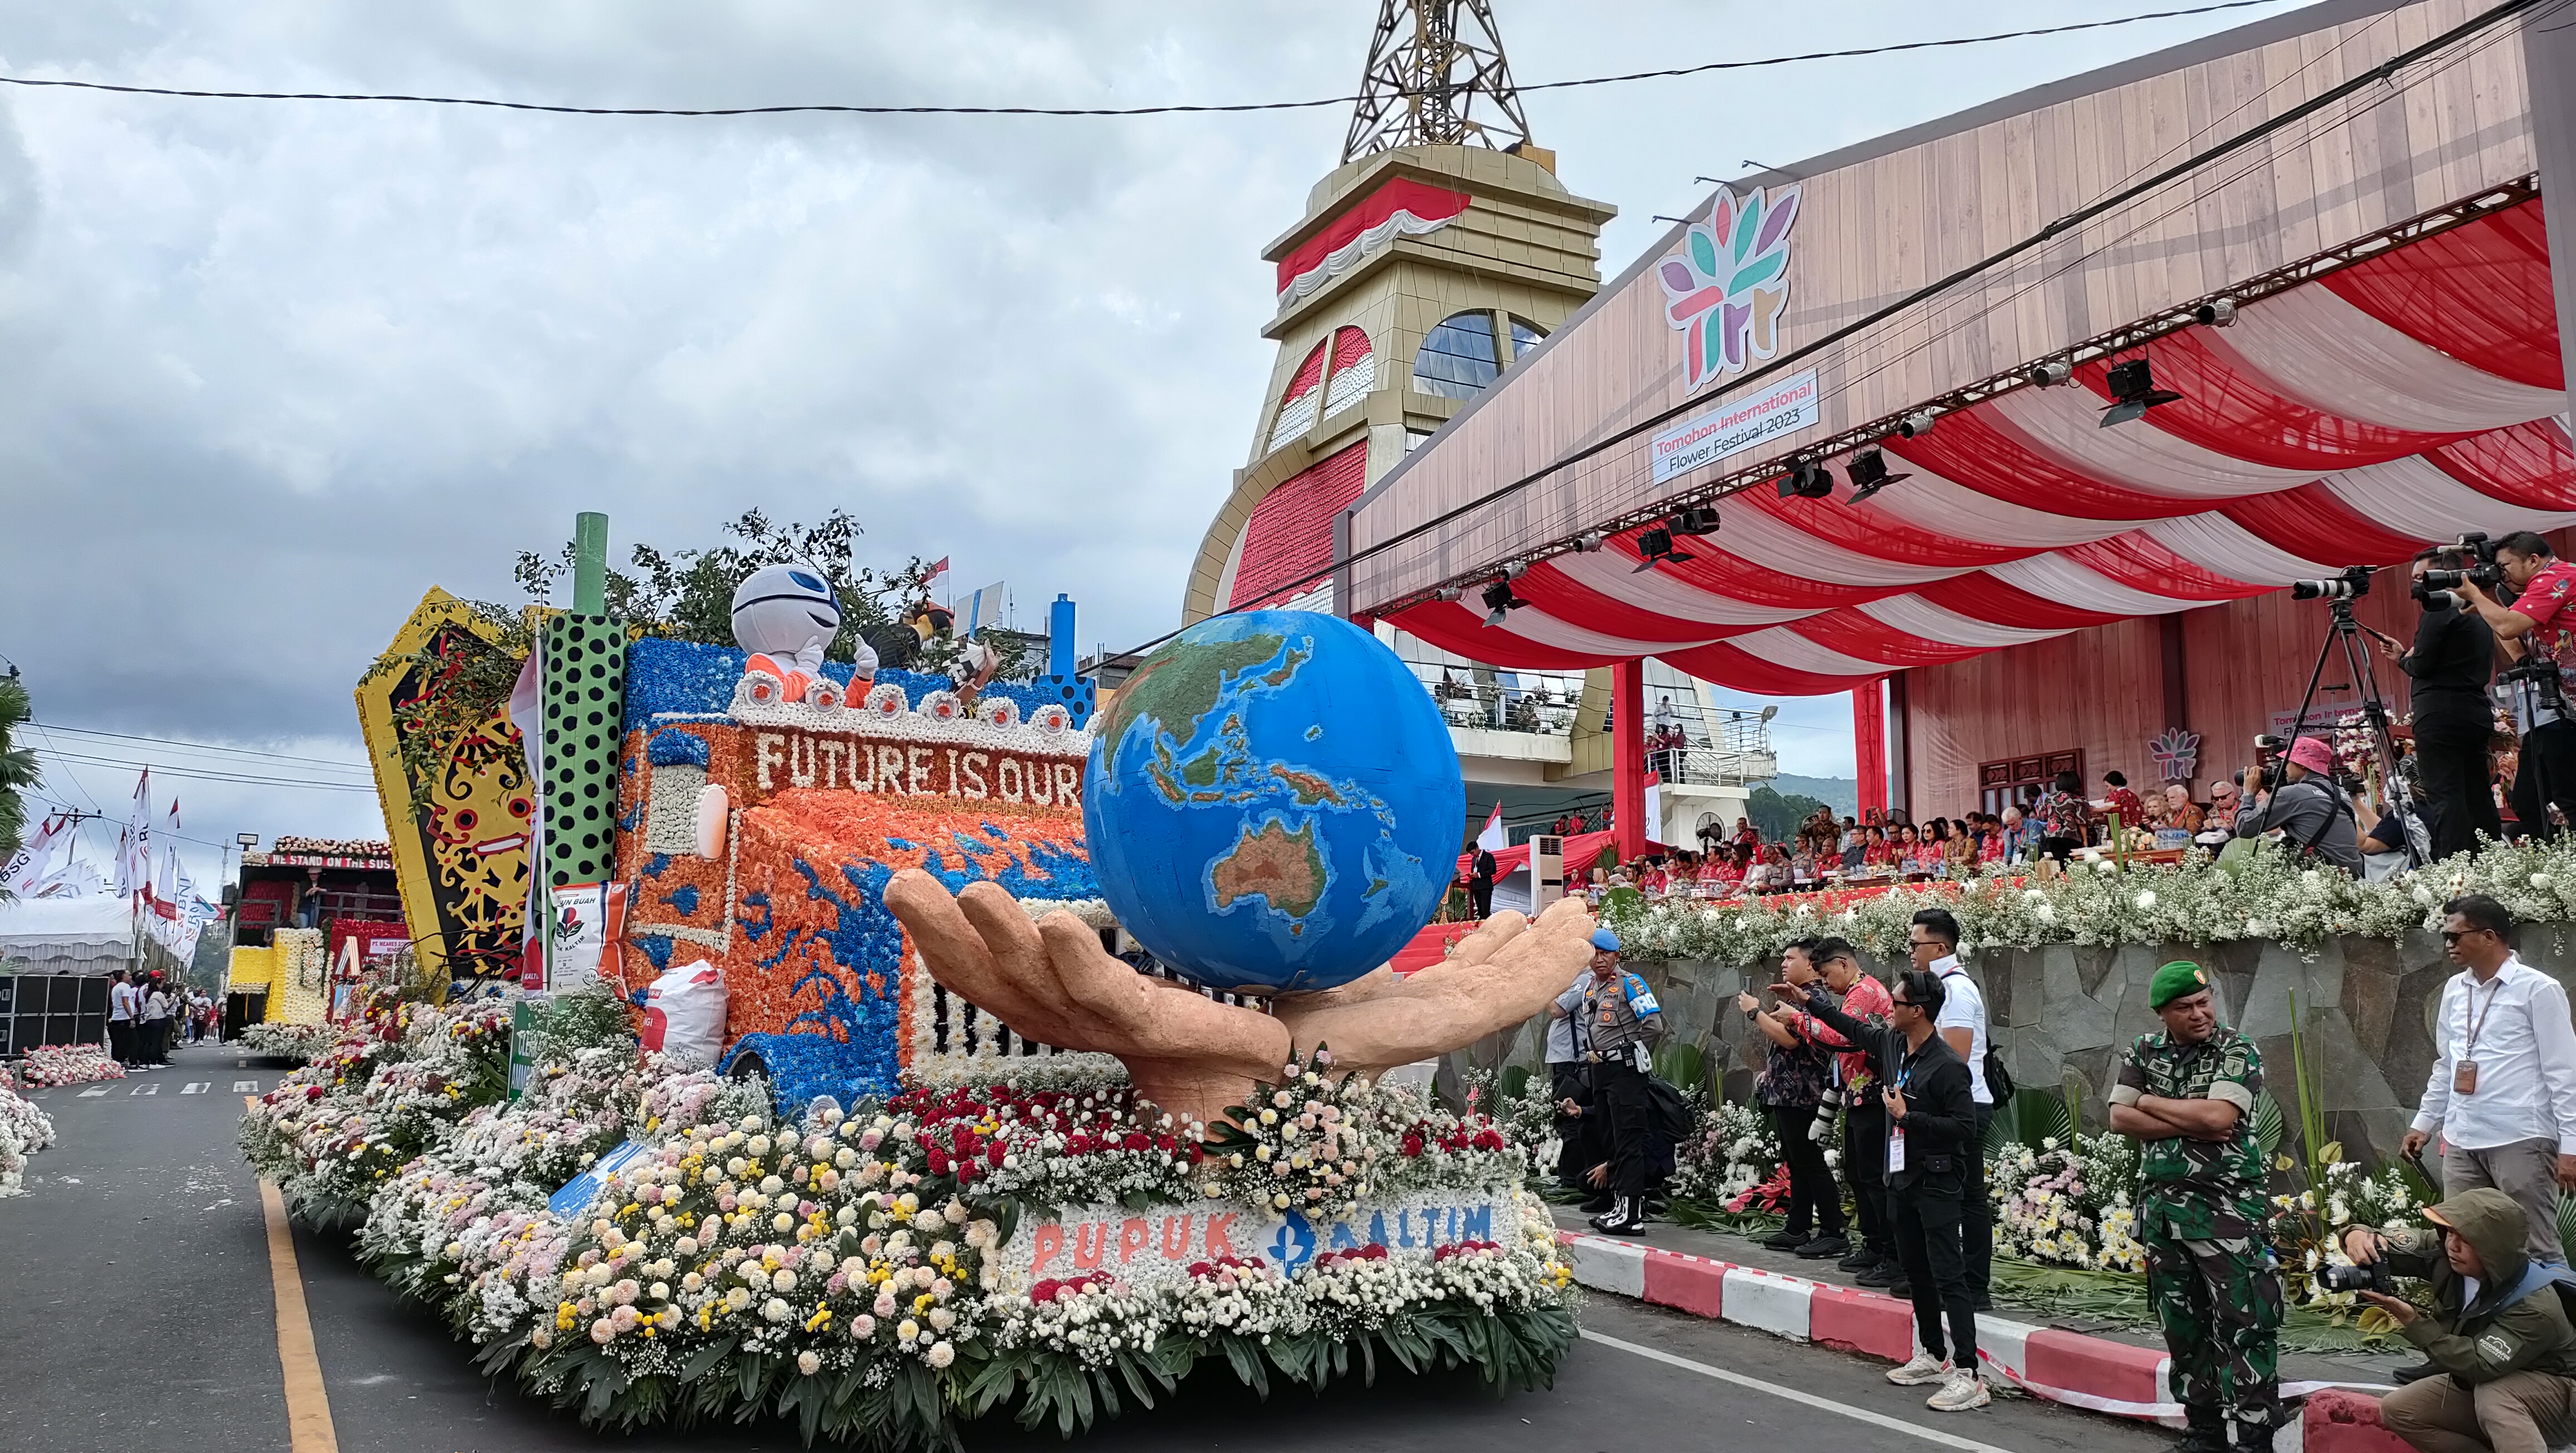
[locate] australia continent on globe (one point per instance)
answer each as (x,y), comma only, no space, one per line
(1272,802)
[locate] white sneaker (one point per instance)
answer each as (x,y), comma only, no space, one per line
(1963,1391)
(1924,1368)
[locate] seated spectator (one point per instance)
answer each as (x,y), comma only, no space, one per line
(2180,810)
(1880,854)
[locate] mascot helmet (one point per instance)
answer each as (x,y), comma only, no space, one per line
(778,608)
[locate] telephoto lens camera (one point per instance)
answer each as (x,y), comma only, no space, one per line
(2469,560)
(2352,584)
(2373,1278)
(1822,1127)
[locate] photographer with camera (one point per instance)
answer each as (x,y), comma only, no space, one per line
(2312,817)
(1933,1140)
(1796,1075)
(2187,1096)
(2446,673)
(2536,632)
(2498,1328)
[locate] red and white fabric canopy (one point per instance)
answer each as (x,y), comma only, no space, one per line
(2345,422)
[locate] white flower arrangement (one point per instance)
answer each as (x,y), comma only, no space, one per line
(24,1130)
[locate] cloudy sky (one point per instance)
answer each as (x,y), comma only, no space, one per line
(268,370)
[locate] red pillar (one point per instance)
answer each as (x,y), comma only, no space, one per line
(1628,756)
(1869,743)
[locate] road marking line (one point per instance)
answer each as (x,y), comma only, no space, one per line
(151,1089)
(1877,1420)
(196,1087)
(245,1087)
(87,1094)
(308,1406)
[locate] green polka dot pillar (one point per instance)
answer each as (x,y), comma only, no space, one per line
(585,701)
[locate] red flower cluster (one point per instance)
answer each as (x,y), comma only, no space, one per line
(1206,1269)
(1464,1135)
(1465,1248)
(955,1135)
(1363,1253)
(1771,1195)
(1048,1290)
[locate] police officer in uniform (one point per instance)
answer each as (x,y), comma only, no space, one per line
(1621,1023)
(2187,1096)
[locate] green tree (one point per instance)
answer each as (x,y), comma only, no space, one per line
(1777,817)
(18,770)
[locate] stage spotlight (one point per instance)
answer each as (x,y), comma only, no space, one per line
(1697,520)
(2051,373)
(1918,422)
(1869,475)
(1807,481)
(1450,592)
(1516,570)
(1588,542)
(2216,313)
(1500,601)
(2133,392)
(1657,544)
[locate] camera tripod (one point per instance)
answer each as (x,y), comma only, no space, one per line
(2345,632)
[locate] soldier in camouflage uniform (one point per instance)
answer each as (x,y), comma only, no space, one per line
(2187,1095)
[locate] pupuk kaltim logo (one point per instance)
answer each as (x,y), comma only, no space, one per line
(1725,289)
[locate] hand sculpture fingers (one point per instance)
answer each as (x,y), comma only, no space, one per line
(1453,1002)
(957,952)
(1026,960)
(1150,1019)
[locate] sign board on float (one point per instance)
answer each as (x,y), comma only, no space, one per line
(1736,426)
(1157,1247)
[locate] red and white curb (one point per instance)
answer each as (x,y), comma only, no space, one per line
(2093,1373)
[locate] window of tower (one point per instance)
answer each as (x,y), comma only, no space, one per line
(1458,360)
(1525,336)
(1354,371)
(1298,404)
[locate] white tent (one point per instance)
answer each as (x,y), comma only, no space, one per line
(88,935)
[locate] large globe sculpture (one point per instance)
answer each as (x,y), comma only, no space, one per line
(1273,804)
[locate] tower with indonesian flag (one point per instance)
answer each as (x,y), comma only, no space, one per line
(1439,253)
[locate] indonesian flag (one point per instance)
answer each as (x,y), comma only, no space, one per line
(1495,837)
(938,571)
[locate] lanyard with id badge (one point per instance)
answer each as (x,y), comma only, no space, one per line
(1896,1128)
(2464,1075)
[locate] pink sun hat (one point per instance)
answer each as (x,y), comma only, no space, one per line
(2312,753)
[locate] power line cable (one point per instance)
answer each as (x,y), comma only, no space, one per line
(209,747)
(491,103)
(242,779)
(2049,233)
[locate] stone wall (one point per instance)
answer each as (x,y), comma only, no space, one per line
(2063,1013)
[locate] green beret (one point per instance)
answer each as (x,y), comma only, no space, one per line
(2174,981)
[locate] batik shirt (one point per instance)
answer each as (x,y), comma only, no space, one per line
(2060,814)
(2553,637)
(2197,1189)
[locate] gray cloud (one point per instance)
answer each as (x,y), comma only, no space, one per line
(270,370)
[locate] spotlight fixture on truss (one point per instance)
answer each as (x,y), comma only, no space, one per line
(1588,542)
(1696,520)
(1868,471)
(1656,545)
(1499,602)
(2216,313)
(2050,373)
(1807,481)
(1918,422)
(2133,392)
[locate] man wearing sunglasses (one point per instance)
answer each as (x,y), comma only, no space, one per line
(2502,1092)
(1932,1142)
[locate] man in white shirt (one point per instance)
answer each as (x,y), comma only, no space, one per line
(2503,1087)
(120,1017)
(1934,941)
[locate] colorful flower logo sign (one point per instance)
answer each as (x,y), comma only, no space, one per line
(1725,289)
(2177,752)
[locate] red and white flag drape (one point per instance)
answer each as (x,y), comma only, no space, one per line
(2348,421)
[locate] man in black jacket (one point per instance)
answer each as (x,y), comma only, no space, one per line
(2447,671)
(1932,1130)
(1480,882)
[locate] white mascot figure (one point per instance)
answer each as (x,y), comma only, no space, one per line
(784,615)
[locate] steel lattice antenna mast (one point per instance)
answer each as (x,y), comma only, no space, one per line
(1430,64)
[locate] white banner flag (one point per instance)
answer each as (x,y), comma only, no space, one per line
(134,847)
(38,857)
(983,609)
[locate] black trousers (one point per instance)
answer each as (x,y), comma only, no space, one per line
(120,1040)
(1928,1247)
(1621,1092)
(2451,754)
(2548,761)
(1579,1148)
(1814,1200)
(1865,1160)
(1977,1214)
(1480,892)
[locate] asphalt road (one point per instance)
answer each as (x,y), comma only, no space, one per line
(136,1316)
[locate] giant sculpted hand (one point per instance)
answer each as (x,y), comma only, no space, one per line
(1051,981)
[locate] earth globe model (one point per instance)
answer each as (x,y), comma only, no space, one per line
(1273,804)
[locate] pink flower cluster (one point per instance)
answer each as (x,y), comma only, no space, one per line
(68,1064)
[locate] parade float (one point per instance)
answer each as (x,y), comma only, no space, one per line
(949,1154)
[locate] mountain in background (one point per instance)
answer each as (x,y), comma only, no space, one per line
(1842,794)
